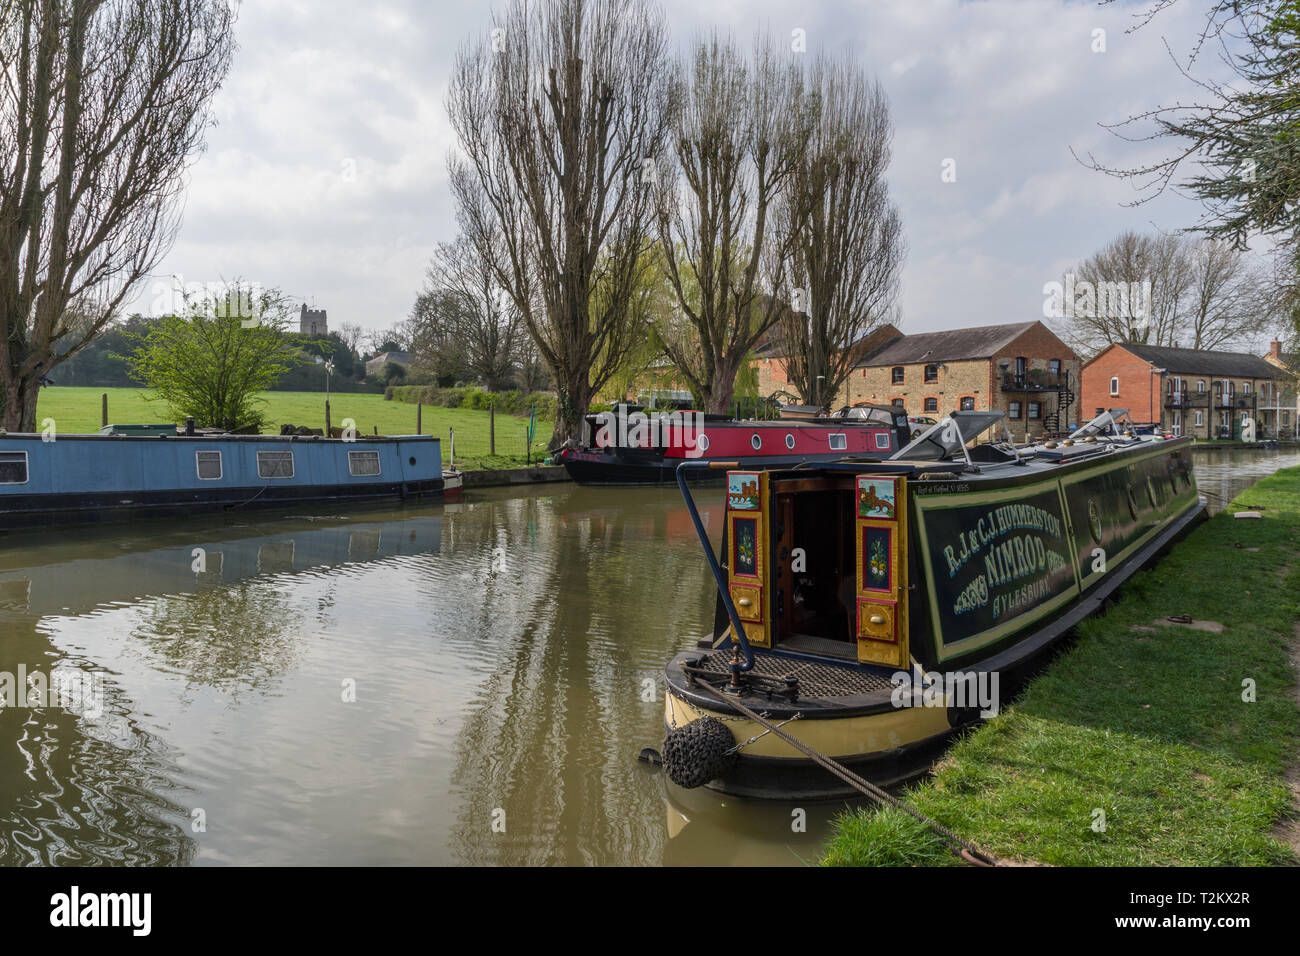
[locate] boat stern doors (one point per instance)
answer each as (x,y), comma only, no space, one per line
(881,547)
(747,558)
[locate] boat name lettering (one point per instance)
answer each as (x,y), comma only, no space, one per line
(1021,597)
(994,524)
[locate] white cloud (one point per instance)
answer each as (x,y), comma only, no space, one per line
(326,176)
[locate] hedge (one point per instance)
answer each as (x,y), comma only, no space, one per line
(513,402)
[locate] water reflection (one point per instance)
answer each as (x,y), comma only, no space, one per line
(461,684)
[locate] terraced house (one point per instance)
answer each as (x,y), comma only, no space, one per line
(1194,392)
(1022,369)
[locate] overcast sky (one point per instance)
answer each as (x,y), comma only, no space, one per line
(326,176)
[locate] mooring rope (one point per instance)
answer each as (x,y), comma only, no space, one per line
(963,848)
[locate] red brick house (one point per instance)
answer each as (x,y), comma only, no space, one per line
(1203,394)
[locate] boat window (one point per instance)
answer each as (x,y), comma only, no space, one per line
(275,464)
(361,463)
(838,442)
(756,441)
(789,441)
(882,441)
(13,468)
(208,464)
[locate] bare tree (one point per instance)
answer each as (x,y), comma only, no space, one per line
(437,348)
(736,138)
(1230,300)
(486,325)
(848,245)
(559,113)
(352,335)
(1131,290)
(103,105)
(1167,290)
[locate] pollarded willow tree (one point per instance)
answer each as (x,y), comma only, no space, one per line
(848,246)
(560,112)
(103,105)
(737,128)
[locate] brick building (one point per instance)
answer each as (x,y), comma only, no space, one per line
(1022,369)
(1282,408)
(1193,392)
(769,360)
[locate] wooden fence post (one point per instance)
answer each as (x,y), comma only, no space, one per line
(492,428)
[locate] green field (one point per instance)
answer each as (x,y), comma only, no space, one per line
(1146,744)
(78,410)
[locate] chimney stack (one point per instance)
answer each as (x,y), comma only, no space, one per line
(1275,350)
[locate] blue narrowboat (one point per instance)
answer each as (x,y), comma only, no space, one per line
(128,473)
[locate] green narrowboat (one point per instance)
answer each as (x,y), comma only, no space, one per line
(874,607)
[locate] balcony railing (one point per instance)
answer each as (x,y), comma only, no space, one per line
(1186,399)
(1036,380)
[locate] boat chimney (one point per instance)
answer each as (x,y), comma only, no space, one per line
(189,427)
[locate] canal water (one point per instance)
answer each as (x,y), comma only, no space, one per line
(458,684)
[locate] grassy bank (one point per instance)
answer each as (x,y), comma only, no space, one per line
(78,410)
(1141,720)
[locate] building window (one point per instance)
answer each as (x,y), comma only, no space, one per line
(1098,412)
(275,464)
(1200,388)
(1054,366)
(896,375)
(1035,409)
(932,373)
(1245,388)
(968,404)
(363,463)
(207,464)
(897,403)
(838,442)
(1013,410)
(1200,419)
(1114,385)
(1286,418)
(13,468)
(931,404)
